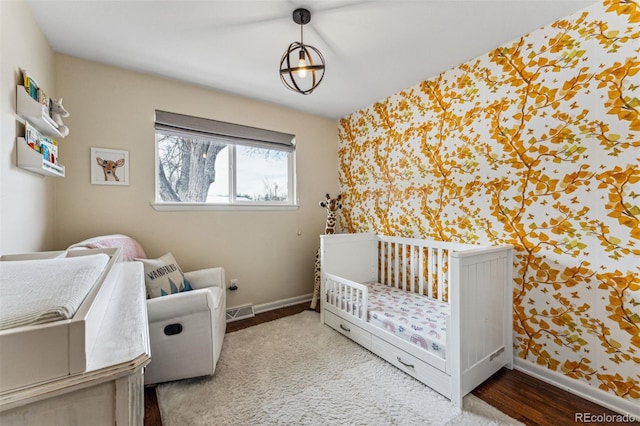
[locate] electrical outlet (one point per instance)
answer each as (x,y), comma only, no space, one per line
(233,284)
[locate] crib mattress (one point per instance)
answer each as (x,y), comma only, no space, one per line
(414,318)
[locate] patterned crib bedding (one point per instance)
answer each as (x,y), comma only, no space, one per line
(416,319)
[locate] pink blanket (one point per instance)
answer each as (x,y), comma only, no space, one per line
(131,249)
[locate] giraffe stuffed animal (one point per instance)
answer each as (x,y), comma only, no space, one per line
(332,205)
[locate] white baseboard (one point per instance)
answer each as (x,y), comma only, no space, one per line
(265,307)
(619,405)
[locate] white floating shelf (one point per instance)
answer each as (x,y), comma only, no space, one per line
(32,160)
(33,112)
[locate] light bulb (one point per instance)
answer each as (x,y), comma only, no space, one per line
(302,65)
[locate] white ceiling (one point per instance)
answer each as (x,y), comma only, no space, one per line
(372,48)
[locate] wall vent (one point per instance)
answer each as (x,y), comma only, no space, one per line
(241,312)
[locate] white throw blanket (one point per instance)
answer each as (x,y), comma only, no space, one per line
(45,290)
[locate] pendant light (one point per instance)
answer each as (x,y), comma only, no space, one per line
(302,65)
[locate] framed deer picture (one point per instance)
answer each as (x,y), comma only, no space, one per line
(109,166)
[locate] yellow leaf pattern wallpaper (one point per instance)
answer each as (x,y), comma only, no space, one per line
(536,144)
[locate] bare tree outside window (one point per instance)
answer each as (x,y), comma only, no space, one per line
(188,168)
(273,192)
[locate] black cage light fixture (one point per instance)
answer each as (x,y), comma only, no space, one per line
(302,65)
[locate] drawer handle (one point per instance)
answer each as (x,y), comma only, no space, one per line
(405,364)
(345,328)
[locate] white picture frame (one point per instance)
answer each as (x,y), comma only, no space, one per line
(109,166)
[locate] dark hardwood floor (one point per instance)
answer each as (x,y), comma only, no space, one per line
(519,395)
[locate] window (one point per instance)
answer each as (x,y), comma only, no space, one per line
(203,162)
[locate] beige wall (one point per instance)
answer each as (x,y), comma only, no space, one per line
(114,108)
(27,200)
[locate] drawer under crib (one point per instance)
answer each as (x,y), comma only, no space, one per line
(349,329)
(435,378)
(424,372)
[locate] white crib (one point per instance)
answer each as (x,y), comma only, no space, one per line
(472,284)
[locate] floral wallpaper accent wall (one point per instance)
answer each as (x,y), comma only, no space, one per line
(536,144)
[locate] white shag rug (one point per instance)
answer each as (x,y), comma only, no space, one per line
(296,371)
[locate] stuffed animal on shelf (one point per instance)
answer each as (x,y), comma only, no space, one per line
(57,112)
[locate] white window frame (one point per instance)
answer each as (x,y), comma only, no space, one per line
(232,135)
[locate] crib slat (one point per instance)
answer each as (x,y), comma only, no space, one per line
(405,265)
(409,265)
(381,261)
(334,300)
(354,301)
(388,282)
(412,265)
(401,261)
(396,266)
(440,276)
(430,268)
(332,289)
(421,270)
(336,289)
(345,297)
(446,274)
(403,270)
(392,264)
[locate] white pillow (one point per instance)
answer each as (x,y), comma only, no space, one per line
(163,276)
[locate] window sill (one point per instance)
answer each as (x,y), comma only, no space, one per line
(183,207)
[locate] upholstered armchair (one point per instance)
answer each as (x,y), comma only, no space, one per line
(186,311)
(186,329)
